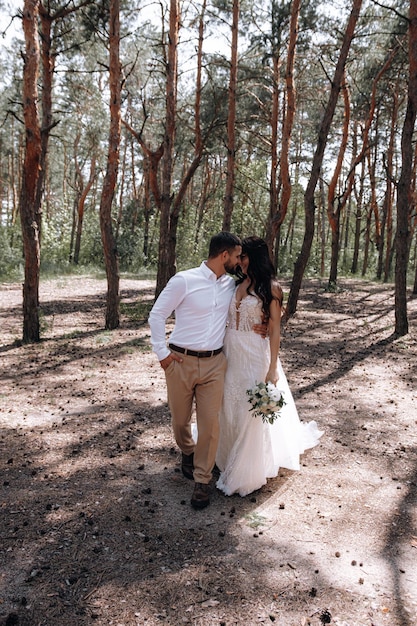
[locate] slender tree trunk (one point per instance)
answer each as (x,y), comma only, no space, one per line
(355,161)
(309,199)
(321,224)
(73,229)
(367,243)
(198,149)
(202,202)
(78,187)
(84,191)
(109,184)
(11,190)
(414,212)
(168,204)
(48,58)
(372,211)
(280,212)
(165,155)
(372,158)
(358,214)
(122,189)
(415,274)
(346,230)
(273,182)
(48,62)
(335,247)
(29,215)
(146,209)
(231,124)
(165,269)
(3,218)
(388,198)
(334,205)
(132,166)
(404,184)
(13,165)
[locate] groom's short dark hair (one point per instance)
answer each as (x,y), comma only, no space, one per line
(221,242)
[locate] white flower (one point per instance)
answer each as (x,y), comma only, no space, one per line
(266,400)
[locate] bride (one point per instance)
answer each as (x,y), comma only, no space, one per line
(250,451)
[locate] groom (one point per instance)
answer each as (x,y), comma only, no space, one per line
(194,362)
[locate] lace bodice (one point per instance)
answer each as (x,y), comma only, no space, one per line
(244,314)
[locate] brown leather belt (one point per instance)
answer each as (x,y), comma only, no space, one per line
(201,355)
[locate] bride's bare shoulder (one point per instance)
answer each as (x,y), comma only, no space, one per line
(276,291)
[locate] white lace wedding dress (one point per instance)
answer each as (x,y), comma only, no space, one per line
(251,451)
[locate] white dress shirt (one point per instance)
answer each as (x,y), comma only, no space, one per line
(201,303)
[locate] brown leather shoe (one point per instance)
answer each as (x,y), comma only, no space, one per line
(201,496)
(187,465)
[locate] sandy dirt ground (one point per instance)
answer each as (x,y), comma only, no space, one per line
(96,525)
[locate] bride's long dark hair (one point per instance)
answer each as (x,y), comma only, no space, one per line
(260,271)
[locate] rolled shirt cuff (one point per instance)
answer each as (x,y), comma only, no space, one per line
(162,352)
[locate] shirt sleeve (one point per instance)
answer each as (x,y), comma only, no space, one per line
(167,302)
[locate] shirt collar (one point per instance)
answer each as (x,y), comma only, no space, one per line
(208,273)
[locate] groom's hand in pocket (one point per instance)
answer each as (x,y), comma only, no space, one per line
(168,360)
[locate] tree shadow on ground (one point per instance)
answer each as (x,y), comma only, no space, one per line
(401,533)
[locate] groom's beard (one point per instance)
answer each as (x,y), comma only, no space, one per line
(231,269)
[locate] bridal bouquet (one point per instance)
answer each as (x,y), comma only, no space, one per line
(266,400)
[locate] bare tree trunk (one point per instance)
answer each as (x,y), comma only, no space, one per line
(13,165)
(48,62)
(73,229)
(48,59)
(372,158)
(2,189)
(109,184)
(367,242)
(415,274)
(168,205)
(281,211)
(350,179)
(358,214)
(372,211)
(386,234)
(414,213)
(165,271)
(29,215)
(146,208)
(404,200)
(309,200)
(334,205)
(122,189)
(198,150)
(335,246)
(273,182)
(81,198)
(231,124)
(346,231)
(202,202)
(17,173)
(321,225)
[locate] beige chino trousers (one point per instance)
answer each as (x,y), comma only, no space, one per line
(201,379)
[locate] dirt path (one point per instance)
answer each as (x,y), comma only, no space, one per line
(96,526)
